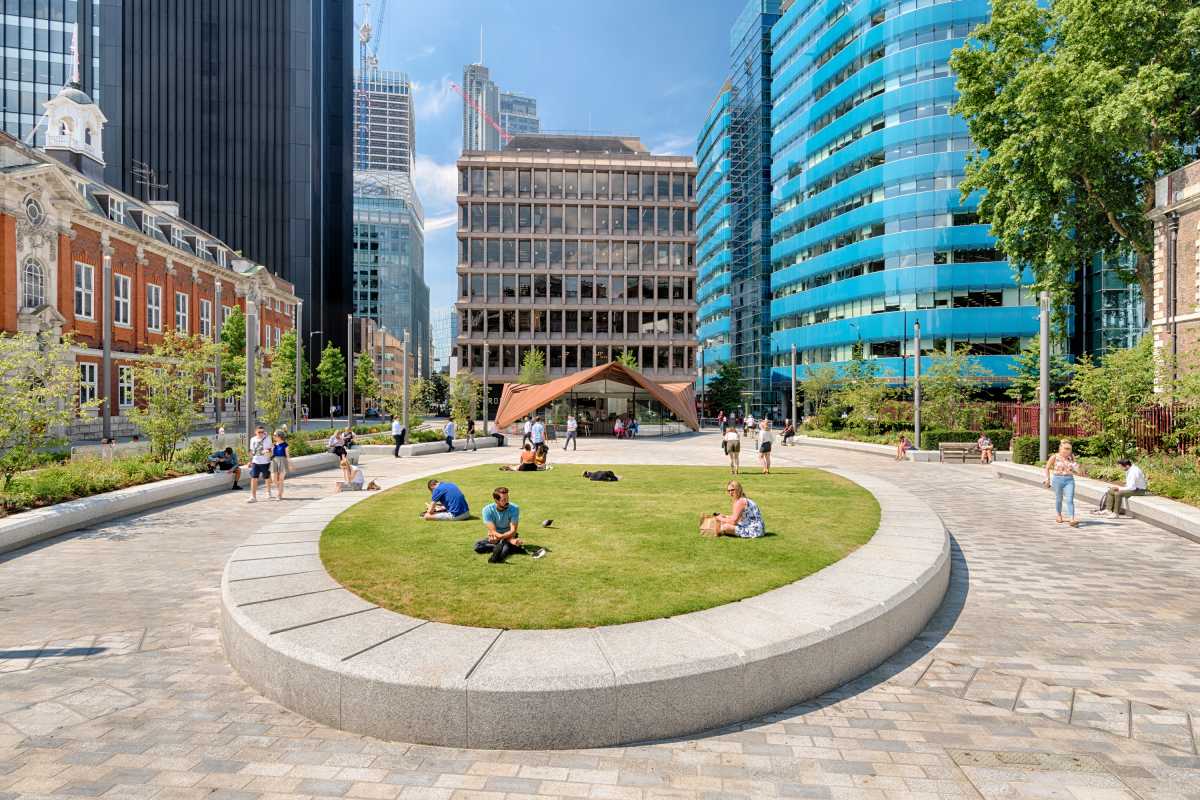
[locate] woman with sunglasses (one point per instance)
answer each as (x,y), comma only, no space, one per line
(744,520)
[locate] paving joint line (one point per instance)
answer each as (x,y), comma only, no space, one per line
(280,575)
(388,639)
(319,621)
(288,596)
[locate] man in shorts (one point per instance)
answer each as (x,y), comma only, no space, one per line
(446,503)
(260,462)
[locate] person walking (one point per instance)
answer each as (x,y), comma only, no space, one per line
(448,432)
(572,433)
(1061,469)
(733,449)
(260,463)
(398,434)
(528,430)
(765,439)
(281,462)
(537,433)
(471,435)
(722,420)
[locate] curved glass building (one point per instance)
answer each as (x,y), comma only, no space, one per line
(869,233)
(713,254)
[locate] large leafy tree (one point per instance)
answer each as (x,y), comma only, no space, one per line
(283,363)
(818,386)
(233,352)
(1076,107)
(39,386)
(863,392)
(1026,382)
(1112,393)
(331,372)
(366,382)
(173,386)
(724,391)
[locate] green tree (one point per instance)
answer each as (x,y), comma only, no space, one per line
(465,396)
(533,367)
(724,391)
(331,372)
(172,383)
(627,358)
(439,395)
(39,384)
(1025,386)
(947,388)
(818,386)
(271,398)
(1112,393)
(233,352)
(863,392)
(283,363)
(366,382)
(1076,107)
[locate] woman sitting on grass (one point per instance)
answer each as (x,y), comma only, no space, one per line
(744,520)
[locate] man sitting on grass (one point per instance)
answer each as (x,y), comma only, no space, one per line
(501,519)
(447,503)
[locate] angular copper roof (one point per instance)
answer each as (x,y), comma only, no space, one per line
(520,400)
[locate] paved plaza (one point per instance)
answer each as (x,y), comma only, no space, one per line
(1063,664)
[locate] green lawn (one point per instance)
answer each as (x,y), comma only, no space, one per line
(618,552)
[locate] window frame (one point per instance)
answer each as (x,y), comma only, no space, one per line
(85,296)
(122,301)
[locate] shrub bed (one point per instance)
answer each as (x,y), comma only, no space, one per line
(83,477)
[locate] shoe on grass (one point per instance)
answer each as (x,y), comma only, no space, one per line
(541,551)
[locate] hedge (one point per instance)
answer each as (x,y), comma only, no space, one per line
(932,438)
(1026,448)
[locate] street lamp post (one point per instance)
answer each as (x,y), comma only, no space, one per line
(485,391)
(917,385)
(251,355)
(107,323)
(404,383)
(299,361)
(1044,377)
(349,370)
(795,419)
(218,379)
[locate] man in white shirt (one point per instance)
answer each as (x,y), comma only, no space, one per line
(448,432)
(572,431)
(1135,484)
(528,430)
(260,462)
(398,433)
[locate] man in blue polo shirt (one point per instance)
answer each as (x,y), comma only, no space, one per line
(501,519)
(447,503)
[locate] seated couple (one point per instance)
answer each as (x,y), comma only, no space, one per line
(531,459)
(501,519)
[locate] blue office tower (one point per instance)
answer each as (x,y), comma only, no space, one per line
(735,323)
(869,233)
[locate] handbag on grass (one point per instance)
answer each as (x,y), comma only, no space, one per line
(710,525)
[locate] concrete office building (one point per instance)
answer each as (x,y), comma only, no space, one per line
(384,128)
(389,271)
(869,233)
(518,113)
(582,247)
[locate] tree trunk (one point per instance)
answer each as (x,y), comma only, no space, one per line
(1144,271)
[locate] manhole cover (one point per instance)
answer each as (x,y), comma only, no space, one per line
(1024,760)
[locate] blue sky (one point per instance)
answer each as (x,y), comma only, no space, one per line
(649,68)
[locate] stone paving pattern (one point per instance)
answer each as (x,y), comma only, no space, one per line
(1063,664)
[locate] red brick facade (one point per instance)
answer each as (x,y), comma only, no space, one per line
(1176,320)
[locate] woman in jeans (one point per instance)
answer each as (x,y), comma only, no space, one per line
(1061,469)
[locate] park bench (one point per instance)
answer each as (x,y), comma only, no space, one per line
(958,450)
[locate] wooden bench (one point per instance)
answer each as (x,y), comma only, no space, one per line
(958,450)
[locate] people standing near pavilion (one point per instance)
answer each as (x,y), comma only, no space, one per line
(572,433)
(537,433)
(528,430)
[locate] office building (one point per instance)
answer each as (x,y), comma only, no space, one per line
(582,247)
(481,108)
(1175,310)
(444,325)
(738,231)
(518,113)
(243,112)
(869,232)
(713,252)
(1110,312)
(38,59)
(67,228)
(389,271)
(384,130)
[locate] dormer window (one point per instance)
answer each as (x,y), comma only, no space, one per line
(177,238)
(87,135)
(64,129)
(116,210)
(148,224)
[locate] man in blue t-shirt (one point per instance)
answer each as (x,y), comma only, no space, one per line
(501,519)
(447,503)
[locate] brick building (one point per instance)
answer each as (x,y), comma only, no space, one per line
(59,223)
(1176,311)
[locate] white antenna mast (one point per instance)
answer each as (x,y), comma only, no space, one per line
(75,56)
(481,45)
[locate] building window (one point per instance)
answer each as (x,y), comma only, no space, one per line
(121,293)
(181,312)
(85,290)
(206,318)
(87,382)
(153,307)
(33,289)
(125,386)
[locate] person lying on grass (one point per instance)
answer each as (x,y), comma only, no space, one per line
(447,503)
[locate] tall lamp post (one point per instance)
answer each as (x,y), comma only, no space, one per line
(1044,377)
(349,370)
(299,361)
(107,323)
(917,385)
(404,384)
(252,298)
(218,379)
(795,418)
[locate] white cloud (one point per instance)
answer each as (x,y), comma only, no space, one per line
(424,52)
(674,145)
(437,184)
(434,99)
(441,221)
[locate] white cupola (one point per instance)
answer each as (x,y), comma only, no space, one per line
(75,128)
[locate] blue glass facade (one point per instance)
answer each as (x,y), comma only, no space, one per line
(869,233)
(712,235)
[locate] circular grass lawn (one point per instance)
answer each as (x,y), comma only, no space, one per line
(618,552)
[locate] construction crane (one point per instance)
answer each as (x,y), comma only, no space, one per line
(368,59)
(504,135)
